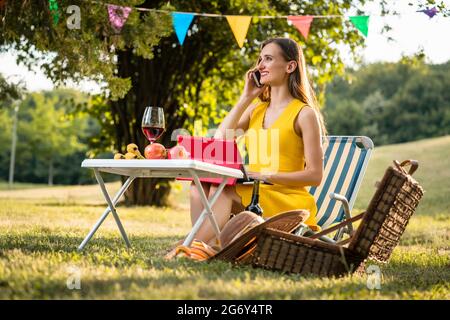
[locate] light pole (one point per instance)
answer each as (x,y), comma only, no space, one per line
(13,143)
(19,87)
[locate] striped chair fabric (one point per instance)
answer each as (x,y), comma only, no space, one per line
(345,163)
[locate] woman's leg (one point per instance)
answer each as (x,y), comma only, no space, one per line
(196,208)
(196,205)
(228,201)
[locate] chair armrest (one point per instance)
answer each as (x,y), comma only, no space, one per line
(343,199)
(306,231)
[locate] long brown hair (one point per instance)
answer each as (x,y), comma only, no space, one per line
(298,83)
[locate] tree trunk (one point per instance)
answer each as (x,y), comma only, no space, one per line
(148,191)
(174,74)
(50,173)
(128,114)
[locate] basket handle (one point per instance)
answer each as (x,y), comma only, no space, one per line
(414,164)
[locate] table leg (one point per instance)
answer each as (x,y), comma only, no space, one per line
(106,212)
(207,211)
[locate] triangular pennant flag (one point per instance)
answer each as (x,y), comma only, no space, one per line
(302,23)
(429,12)
(239,25)
(361,23)
(118,16)
(53,7)
(181,23)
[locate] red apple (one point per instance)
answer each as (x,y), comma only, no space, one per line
(178,152)
(155,151)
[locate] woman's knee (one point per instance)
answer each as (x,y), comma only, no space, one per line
(228,191)
(195,193)
(214,188)
(232,194)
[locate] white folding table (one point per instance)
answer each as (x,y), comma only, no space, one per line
(165,168)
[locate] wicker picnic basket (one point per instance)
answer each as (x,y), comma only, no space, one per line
(383,223)
(289,253)
(388,214)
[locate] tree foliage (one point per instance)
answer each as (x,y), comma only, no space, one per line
(9,92)
(391,102)
(76,54)
(51,139)
(145,65)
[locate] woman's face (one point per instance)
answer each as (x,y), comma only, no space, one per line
(273,67)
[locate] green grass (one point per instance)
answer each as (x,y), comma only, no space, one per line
(433,173)
(40,230)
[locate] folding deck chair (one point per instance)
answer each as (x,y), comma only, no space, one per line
(345,163)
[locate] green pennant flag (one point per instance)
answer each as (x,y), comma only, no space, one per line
(361,23)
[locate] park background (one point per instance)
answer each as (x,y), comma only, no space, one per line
(401,101)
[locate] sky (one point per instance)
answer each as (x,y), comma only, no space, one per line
(411,30)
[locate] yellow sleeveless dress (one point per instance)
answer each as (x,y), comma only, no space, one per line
(277,149)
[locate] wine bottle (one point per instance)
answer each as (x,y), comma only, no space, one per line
(254,204)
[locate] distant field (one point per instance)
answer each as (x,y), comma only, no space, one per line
(41,227)
(433,173)
(20,186)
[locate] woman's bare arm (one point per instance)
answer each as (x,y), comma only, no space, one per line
(239,116)
(312,175)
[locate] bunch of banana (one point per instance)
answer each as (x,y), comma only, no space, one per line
(132,153)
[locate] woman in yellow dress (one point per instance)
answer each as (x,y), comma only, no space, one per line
(283,138)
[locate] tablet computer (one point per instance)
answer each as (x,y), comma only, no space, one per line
(221,152)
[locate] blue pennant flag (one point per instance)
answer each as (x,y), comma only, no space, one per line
(181,23)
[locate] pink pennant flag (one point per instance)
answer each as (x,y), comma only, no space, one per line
(118,16)
(302,23)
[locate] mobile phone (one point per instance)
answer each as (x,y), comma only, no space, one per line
(257,77)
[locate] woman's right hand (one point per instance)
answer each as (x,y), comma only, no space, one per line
(251,91)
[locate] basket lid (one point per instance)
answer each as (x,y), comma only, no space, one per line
(384,204)
(241,242)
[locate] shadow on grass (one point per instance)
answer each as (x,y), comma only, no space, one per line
(399,280)
(48,243)
(69,203)
(78,205)
(204,279)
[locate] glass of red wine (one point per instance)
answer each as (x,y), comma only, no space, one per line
(153,123)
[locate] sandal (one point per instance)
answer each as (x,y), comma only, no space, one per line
(198,251)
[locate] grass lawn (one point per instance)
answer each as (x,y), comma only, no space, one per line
(41,228)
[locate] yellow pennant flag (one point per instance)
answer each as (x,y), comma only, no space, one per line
(239,25)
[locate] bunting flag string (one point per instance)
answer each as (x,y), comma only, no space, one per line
(239,24)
